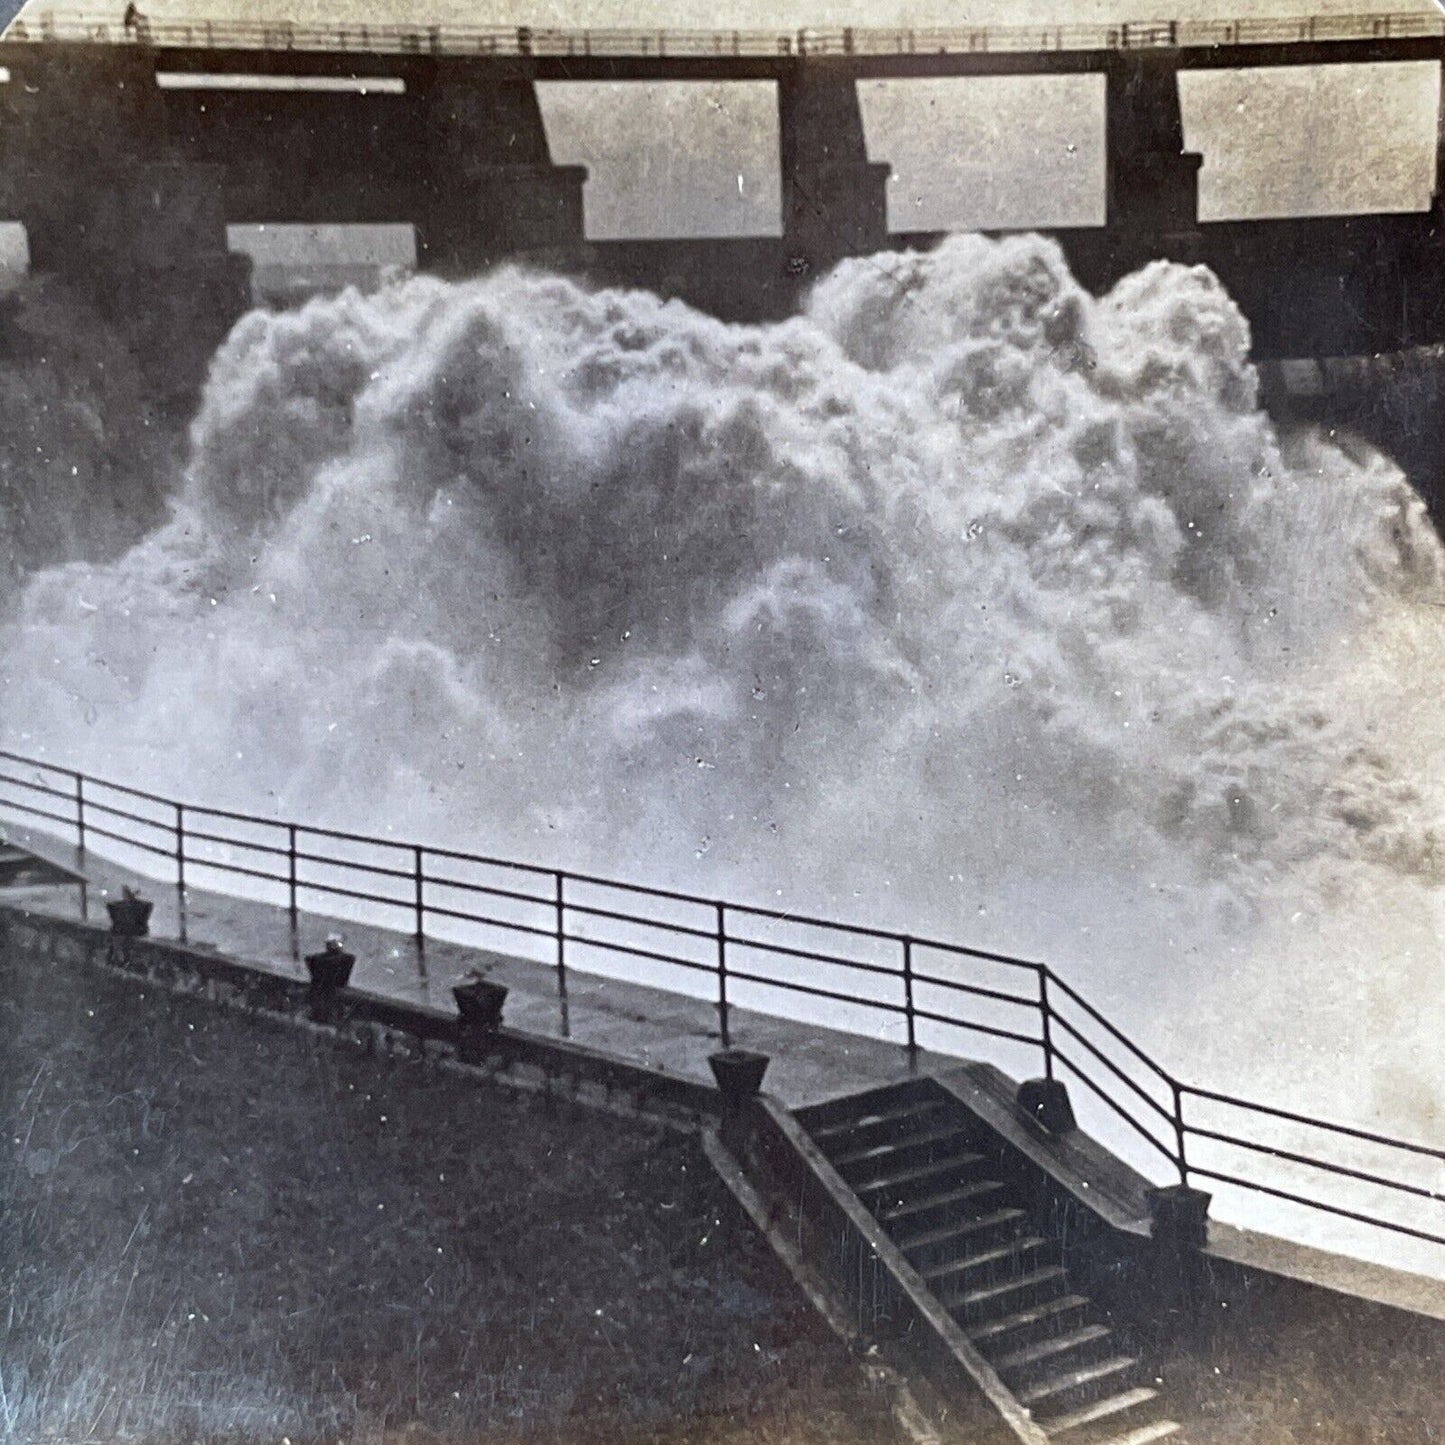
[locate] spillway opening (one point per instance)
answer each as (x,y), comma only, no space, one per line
(291,262)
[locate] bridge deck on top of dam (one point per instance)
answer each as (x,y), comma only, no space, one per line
(121,176)
(576,53)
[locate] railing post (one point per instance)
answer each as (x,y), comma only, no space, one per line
(722,976)
(908,1012)
(180,848)
(1046,1021)
(418,876)
(560,879)
(80,813)
(291,874)
(1180,1160)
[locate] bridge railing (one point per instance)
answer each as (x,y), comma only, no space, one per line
(873,981)
(467,40)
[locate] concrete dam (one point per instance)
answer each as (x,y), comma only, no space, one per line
(126,157)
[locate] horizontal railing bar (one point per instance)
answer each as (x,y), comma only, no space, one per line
(1316,1204)
(832,959)
(1018,1000)
(195,835)
(639,952)
(439,880)
(1344,1170)
(710,935)
(593,880)
(194,862)
(232,817)
(380,870)
(485,922)
(36,787)
(94,805)
(336,835)
(127,791)
(481,860)
(30,762)
(99,832)
(799,920)
(1061,1057)
(964,951)
(35,812)
(1076,997)
(993,1030)
(339,892)
(1113,1068)
(813,991)
(1346,1129)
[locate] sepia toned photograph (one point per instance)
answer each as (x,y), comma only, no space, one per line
(722,725)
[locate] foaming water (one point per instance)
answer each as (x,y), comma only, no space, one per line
(960,601)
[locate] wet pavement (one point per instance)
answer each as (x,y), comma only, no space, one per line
(664,1030)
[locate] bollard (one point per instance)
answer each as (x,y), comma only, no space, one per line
(330,972)
(130,918)
(130,914)
(1046,1102)
(1178,1231)
(739,1074)
(479,1003)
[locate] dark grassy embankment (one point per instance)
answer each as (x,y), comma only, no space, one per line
(219,1228)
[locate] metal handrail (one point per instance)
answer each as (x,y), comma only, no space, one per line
(1165,1128)
(850,41)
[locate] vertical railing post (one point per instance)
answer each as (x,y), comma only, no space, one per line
(291,875)
(80,812)
(180,848)
(908,1012)
(722,976)
(1180,1160)
(560,907)
(418,877)
(1046,1022)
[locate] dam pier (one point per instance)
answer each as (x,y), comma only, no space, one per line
(127,152)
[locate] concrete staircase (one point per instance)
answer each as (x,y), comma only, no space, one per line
(923,1167)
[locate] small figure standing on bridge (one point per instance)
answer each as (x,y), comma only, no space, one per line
(133,20)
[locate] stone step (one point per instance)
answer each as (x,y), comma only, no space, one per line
(926,1207)
(894,1185)
(1021,1366)
(917,1148)
(876,1125)
(1035,1322)
(972,1306)
(1108,1409)
(1010,1259)
(1145,1434)
(818,1118)
(974,1231)
(1071,1389)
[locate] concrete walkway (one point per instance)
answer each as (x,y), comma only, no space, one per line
(665,1030)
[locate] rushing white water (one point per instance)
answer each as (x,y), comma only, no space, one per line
(962,600)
